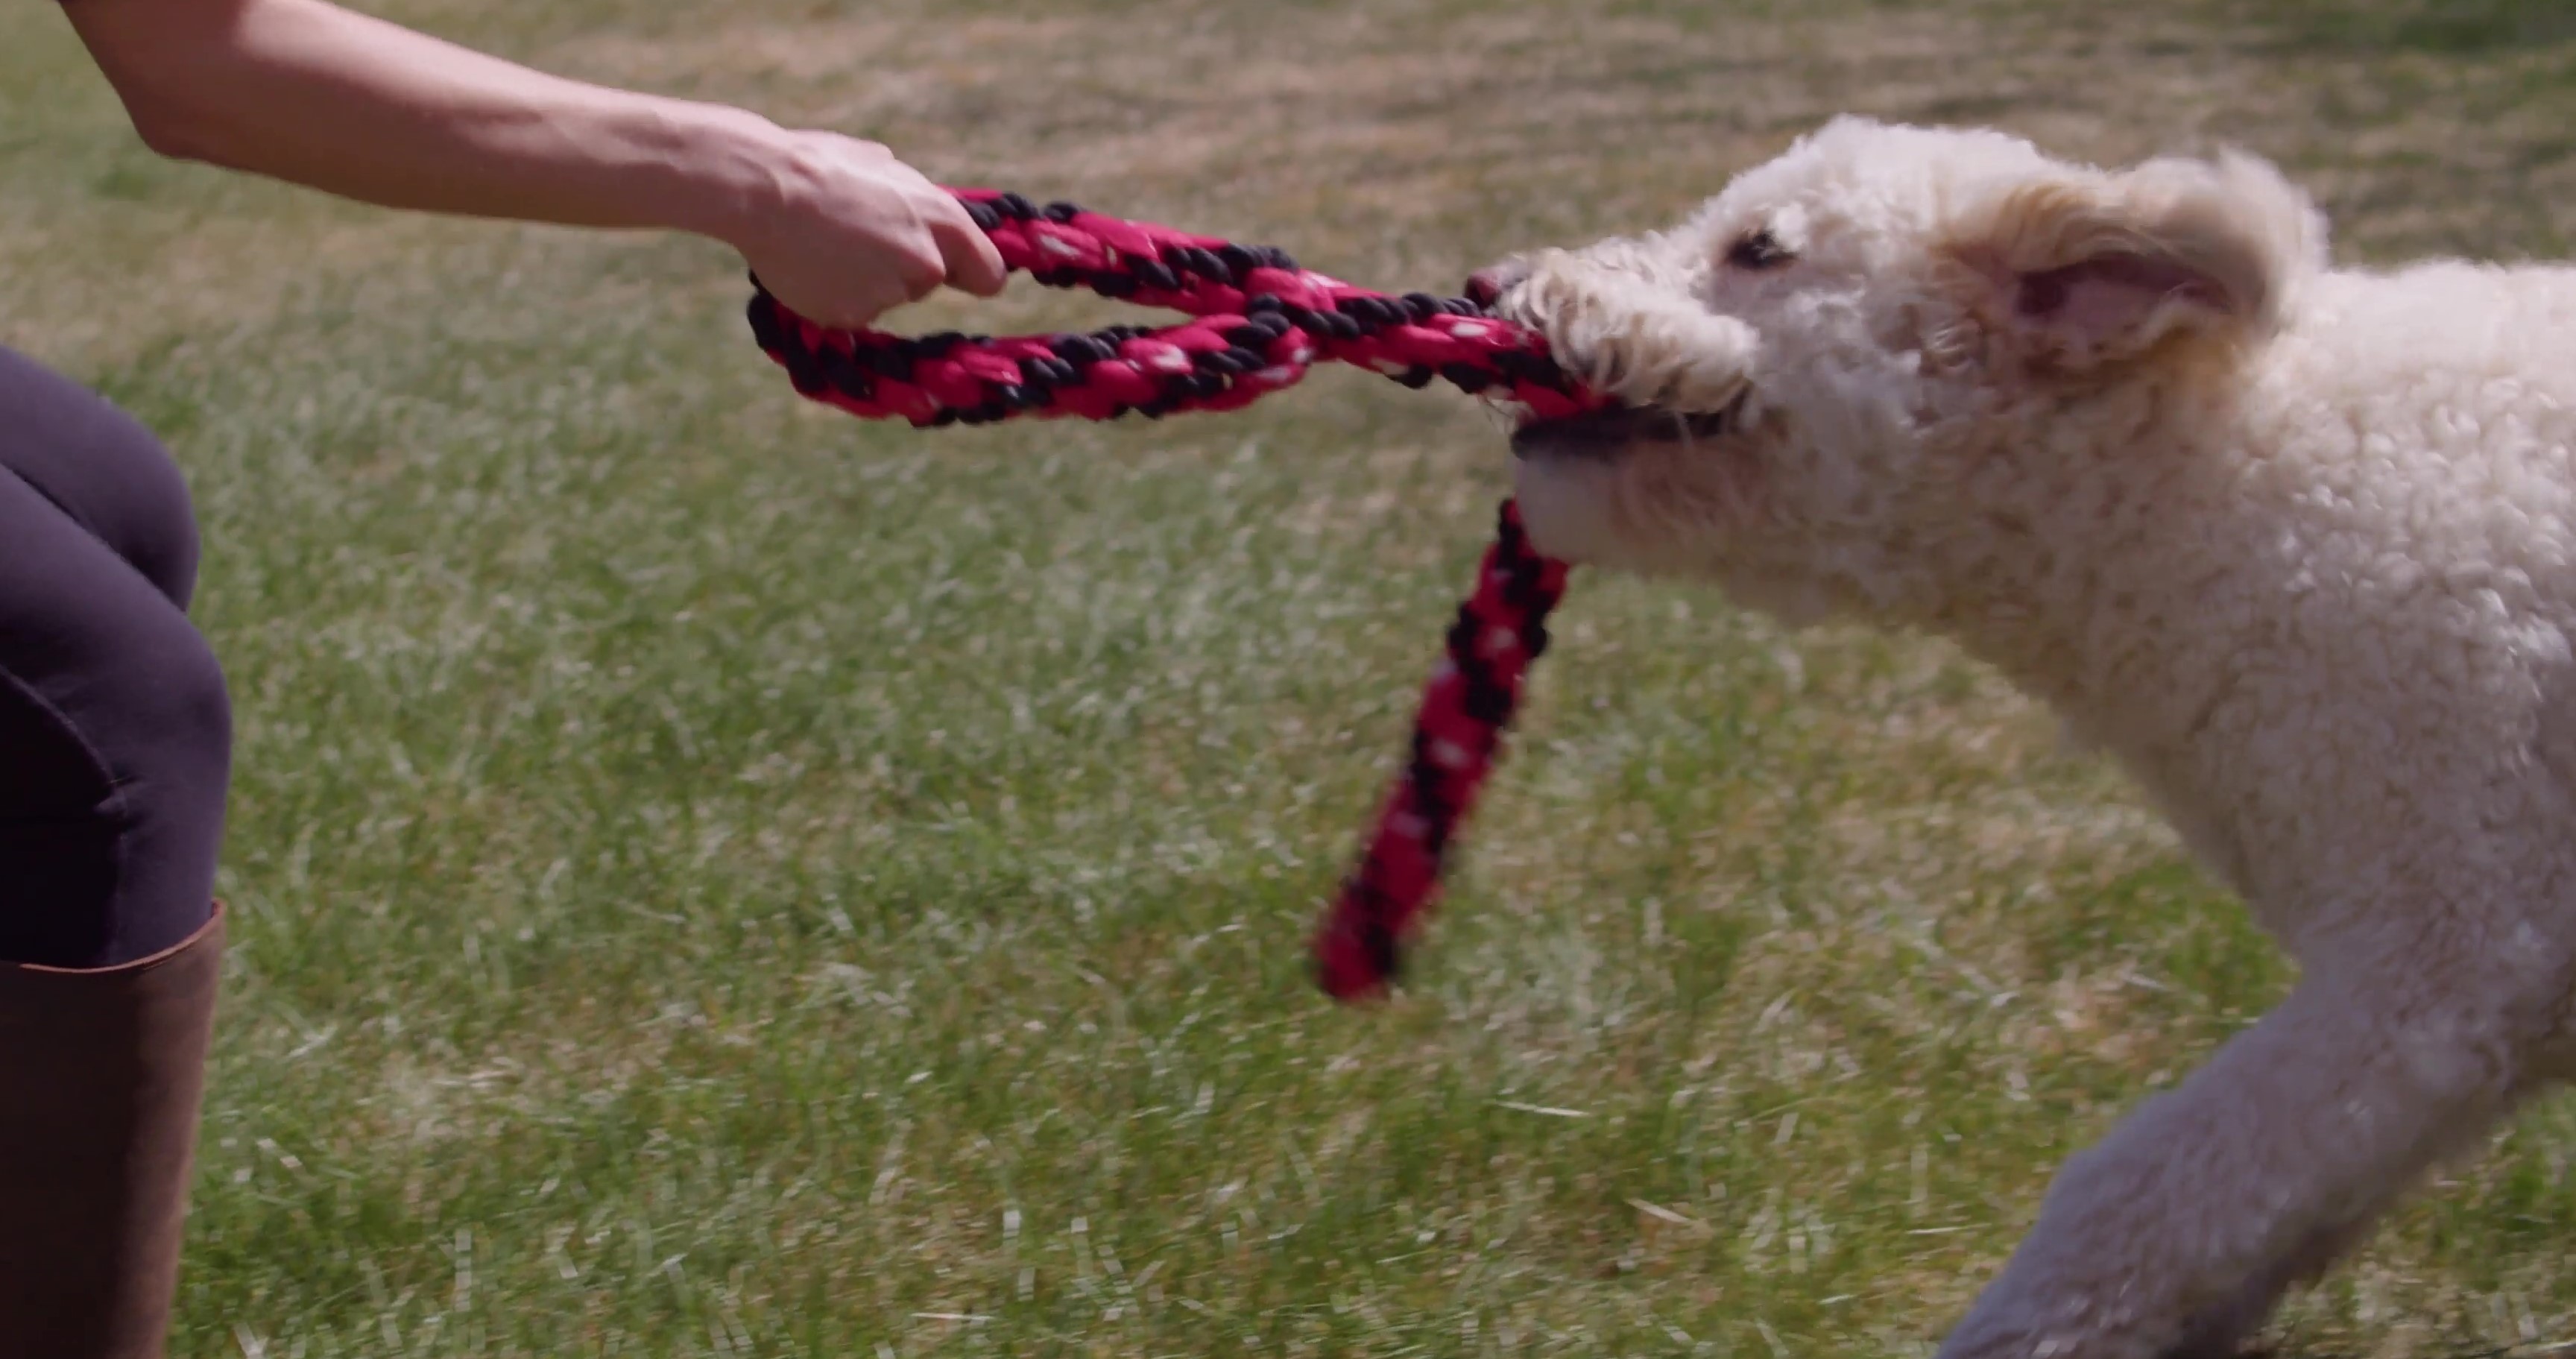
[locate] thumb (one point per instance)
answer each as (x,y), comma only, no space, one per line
(973,263)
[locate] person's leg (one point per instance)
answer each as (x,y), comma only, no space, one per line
(115,733)
(114,752)
(101,1075)
(101,467)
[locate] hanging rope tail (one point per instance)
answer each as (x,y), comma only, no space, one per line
(1257,323)
(1457,736)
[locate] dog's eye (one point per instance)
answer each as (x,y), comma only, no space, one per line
(1761,250)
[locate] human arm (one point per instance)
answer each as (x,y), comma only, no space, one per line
(304,91)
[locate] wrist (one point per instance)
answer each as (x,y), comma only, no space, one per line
(737,171)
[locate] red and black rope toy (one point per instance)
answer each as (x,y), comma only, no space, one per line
(1258,323)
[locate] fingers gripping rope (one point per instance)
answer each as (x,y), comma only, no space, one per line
(1259,322)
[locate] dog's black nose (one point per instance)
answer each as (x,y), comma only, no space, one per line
(1486,286)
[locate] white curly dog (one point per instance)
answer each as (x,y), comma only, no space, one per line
(2296,544)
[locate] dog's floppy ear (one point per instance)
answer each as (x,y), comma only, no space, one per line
(2082,269)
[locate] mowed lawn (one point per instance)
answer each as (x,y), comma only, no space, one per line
(711,877)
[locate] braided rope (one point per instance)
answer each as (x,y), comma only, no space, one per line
(1457,735)
(1258,323)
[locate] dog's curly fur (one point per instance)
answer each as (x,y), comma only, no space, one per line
(2296,544)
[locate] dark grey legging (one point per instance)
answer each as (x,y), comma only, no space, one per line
(115,734)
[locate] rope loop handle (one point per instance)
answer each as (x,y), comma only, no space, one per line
(1258,322)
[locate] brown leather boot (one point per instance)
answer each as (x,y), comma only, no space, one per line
(100,1075)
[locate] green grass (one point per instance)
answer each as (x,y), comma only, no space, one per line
(711,877)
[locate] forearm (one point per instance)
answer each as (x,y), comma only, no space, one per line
(307,92)
(324,97)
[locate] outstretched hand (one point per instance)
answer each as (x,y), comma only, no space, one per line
(322,96)
(853,232)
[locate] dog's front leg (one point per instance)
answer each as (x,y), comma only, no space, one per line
(2179,1230)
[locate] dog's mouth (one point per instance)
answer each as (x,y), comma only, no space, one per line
(1614,429)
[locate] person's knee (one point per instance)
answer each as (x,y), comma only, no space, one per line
(173,760)
(186,710)
(174,753)
(103,468)
(154,524)
(111,854)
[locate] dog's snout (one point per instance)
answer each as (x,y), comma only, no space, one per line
(1486,286)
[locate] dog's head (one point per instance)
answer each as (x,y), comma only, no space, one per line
(1882,343)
